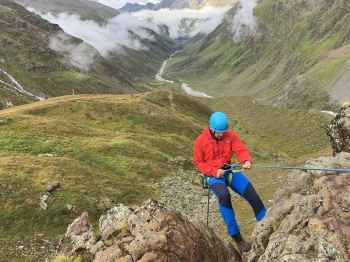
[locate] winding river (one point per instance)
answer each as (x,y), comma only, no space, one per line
(184,86)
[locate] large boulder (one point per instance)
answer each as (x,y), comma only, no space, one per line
(152,232)
(338,130)
(309,217)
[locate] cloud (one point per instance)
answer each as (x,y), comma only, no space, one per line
(244,20)
(106,38)
(80,56)
(116,33)
(203,21)
(126,30)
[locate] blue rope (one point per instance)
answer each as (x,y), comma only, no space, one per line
(299,168)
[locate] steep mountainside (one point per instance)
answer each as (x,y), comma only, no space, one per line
(86,9)
(75,65)
(297,55)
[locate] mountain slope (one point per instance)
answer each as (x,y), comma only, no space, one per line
(26,56)
(87,10)
(289,59)
(75,66)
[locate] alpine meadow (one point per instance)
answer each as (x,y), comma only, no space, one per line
(86,125)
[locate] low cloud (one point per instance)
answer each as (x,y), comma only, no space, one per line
(117,32)
(244,21)
(180,21)
(80,56)
(126,30)
(106,38)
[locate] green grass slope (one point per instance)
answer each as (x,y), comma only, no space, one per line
(107,147)
(275,134)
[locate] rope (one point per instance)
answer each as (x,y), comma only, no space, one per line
(208,207)
(299,168)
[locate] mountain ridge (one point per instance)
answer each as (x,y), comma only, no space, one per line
(175,5)
(87,10)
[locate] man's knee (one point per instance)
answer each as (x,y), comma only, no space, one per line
(223,194)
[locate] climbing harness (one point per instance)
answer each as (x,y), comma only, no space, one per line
(238,168)
(205,184)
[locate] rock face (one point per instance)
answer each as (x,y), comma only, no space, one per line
(79,235)
(309,217)
(339,130)
(152,232)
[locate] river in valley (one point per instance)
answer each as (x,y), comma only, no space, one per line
(184,86)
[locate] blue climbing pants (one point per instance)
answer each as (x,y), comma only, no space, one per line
(241,185)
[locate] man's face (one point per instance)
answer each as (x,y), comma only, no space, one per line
(218,136)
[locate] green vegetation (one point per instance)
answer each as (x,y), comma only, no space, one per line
(105,147)
(291,56)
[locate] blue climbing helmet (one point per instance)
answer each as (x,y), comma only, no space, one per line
(218,122)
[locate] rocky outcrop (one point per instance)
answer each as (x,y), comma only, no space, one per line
(309,217)
(152,232)
(307,220)
(338,130)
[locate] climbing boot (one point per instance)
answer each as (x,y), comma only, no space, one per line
(242,245)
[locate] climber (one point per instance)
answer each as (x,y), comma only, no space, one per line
(213,150)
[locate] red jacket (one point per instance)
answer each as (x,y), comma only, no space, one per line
(210,154)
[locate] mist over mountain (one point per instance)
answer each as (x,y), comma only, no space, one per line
(231,49)
(113,50)
(51,62)
(171,4)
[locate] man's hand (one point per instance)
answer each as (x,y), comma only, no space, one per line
(247,165)
(220,173)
